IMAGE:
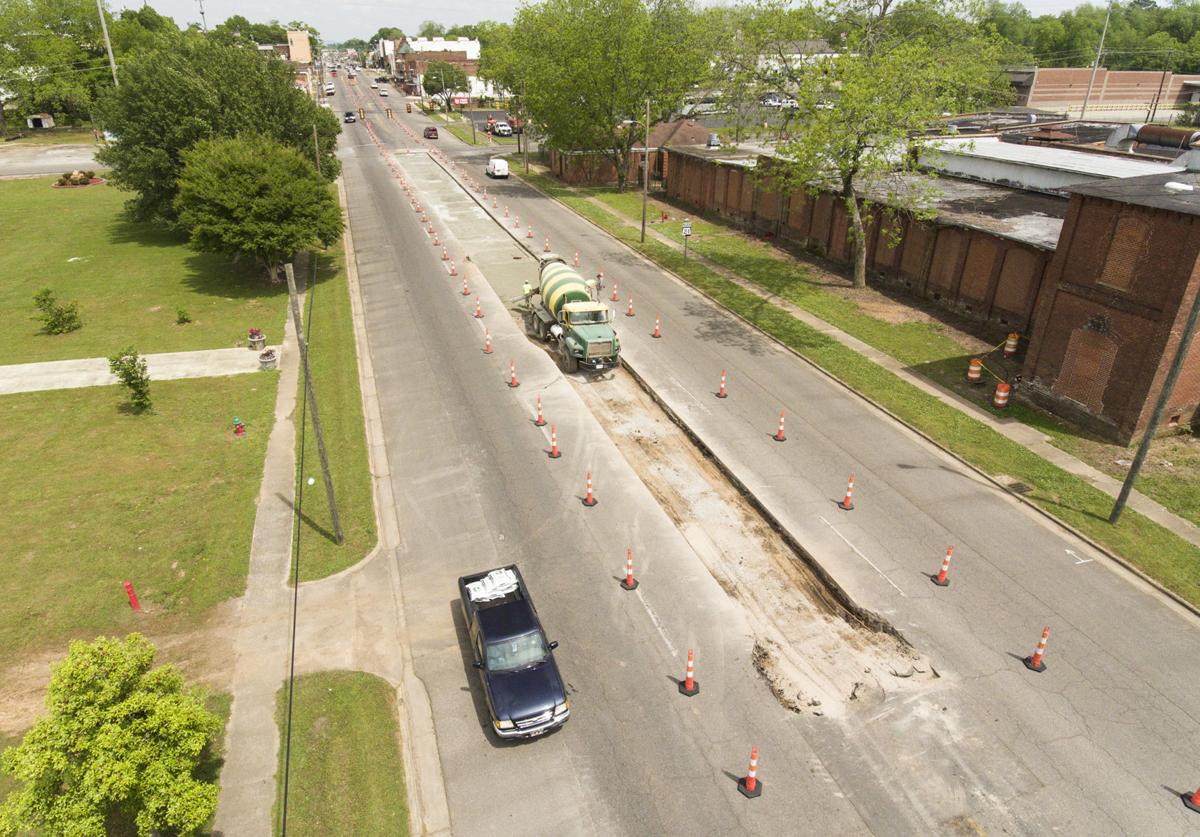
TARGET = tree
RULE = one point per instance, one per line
(897, 69)
(130, 370)
(198, 89)
(236, 29)
(430, 29)
(442, 80)
(588, 67)
(250, 195)
(385, 33)
(119, 748)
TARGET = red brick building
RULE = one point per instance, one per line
(594, 168)
(1114, 302)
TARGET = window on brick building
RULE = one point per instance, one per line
(1126, 249)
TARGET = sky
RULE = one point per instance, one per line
(337, 20)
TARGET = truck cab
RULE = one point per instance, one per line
(521, 685)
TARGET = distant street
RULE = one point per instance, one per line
(18, 160)
(1097, 744)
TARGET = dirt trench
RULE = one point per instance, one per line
(816, 656)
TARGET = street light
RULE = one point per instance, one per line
(645, 163)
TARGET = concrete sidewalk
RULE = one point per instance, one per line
(1023, 434)
(93, 371)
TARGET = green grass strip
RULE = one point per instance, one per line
(347, 774)
(1158, 552)
(334, 361)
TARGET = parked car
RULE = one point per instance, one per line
(430, 133)
(349, 116)
(521, 685)
(771, 100)
(502, 129)
(497, 167)
(383, 91)
(374, 85)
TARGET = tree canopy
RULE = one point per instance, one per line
(442, 80)
(253, 196)
(586, 69)
(169, 99)
(888, 75)
(385, 33)
(1141, 35)
(121, 746)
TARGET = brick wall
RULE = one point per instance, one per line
(979, 275)
(1058, 87)
(1109, 321)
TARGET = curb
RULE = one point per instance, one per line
(425, 786)
(1062, 524)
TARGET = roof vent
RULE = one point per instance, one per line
(1176, 187)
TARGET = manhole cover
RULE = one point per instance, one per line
(1019, 487)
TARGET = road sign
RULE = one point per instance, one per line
(687, 228)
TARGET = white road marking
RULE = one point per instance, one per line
(882, 574)
(1078, 560)
(658, 625)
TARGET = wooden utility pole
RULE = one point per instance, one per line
(311, 394)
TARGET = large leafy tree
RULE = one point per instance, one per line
(252, 196)
(52, 56)
(169, 99)
(896, 67)
(120, 747)
(442, 80)
(587, 69)
(385, 33)
(237, 29)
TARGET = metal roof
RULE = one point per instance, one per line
(1150, 190)
(1058, 159)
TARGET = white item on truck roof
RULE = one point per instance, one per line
(495, 585)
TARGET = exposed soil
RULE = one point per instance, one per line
(816, 657)
(203, 652)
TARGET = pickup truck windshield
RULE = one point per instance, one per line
(586, 317)
(519, 652)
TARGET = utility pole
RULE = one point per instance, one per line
(316, 150)
(203, 19)
(1185, 341)
(312, 404)
(1096, 63)
(645, 169)
(524, 128)
(112, 62)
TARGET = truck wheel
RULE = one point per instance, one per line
(567, 362)
(531, 329)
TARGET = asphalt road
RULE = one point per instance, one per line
(1100, 743)
(26, 160)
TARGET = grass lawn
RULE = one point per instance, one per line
(347, 775)
(94, 496)
(334, 364)
(129, 279)
(50, 136)
(1158, 552)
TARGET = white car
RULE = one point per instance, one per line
(502, 129)
(383, 91)
(374, 85)
(497, 167)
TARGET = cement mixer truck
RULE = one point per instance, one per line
(561, 310)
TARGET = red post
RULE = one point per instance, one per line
(847, 503)
(133, 599)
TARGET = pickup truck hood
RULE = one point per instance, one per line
(593, 332)
(519, 694)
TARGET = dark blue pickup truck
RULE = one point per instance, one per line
(521, 683)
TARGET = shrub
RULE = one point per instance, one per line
(90, 175)
(182, 317)
(62, 181)
(57, 319)
(130, 369)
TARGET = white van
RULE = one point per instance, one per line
(497, 167)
